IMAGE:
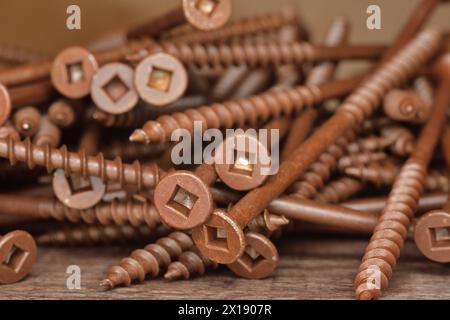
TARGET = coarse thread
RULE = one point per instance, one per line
(320, 171)
(360, 159)
(18, 55)
(238, 28)
(389, 235)
(364, 100)
(401, 140)
(251, 110)
(9, 131)
(108, 170)
(131, 119)
(147, 261)
(437, 181)
(378, 173)
(130, 151)
(267, 223)
(374, 124)
(370, 144)
(189, 263)
(135, 213)
(95, 235)
(48, 134)
(340, 190)
(424, 89)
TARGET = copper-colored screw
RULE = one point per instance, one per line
(20, 55)
(431, 234)
(408, 106)
(249, 110)
(160, 79)
(95, 235)
(424, 89)
(340, 190)
(247, 171)
(108, 170)
(355, 109)
(381, 174)
(259, 260)
(437, 181)
(62, 113)
(112, 88)
(401, 139)
(136, 213)
(48, 134)
(189, 263)
(129, 151)
(360, 159)
(27, 121)
(267, 223)
(183, 199)
(18, 254)
(370, 144)
(8, 130)
(148, 261)
(404, 195)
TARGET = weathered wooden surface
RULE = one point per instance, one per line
(318, 268)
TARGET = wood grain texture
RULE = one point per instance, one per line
(313, 268)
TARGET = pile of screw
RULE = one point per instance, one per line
(346, 165)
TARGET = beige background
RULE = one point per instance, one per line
(41, 24)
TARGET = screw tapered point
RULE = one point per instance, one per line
(173, 274)
(277, 221)
(106, 285)
(139, 136)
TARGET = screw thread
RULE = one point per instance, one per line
(401, 140)
(437, 181)
(18, 55)
(369, 144)
(80, 163)
(376, 173)
(147, 261)
(339, 190)
(360, 159)
(189, 263)
(267, 223)
(390, 233)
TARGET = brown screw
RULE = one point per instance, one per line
(339, 190)
(48, 134)
(18, 254)
(72, 72)
(250, 110)
(370, 144)
(259, 260)
(62, 113)
(109, 171)
(27, 121)
(160, 79)
(406, 106)
(148, 261)
(431, 235)
(8, 130)
(189, 263)
(401, 139)
(380, 174)
(112, 88)
(356, 108)
(267, 223)
(183, 199)
(5, 104)
(360, 159)
(250, 157)
(405, 194)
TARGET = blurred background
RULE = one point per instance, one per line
(42, 24)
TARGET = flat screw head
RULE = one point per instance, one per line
(183, 200)
(113, 89)
(432, 236)
(259, 260)
(5, 104)
(17, 256)
(220, 238)
(81, 196)
(238, 165)
(207, 14)
(160, 79)
(72, 72)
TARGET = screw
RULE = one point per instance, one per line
(18, 55)
(401, 139)
(8, 131)
(380, 174)
(248, 110)
(108, 170)
(189, 263)
(62, 113)
(267, 223)
(160, 79)
(370, 144)
(228, 82)
(48, 134)
(356, 108)
(148, 261)
(27, 121)
(136, 213)
(183, 199)
(259, 260)
(360, 159)
(424, 89)
(405, 193)
(431, 235)
(247, 168)
(5, 104)
(112, 88)
(437, 181)
(339, 190)
(130, 151)
(18, 254)
(408, 106)
(95, 235)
